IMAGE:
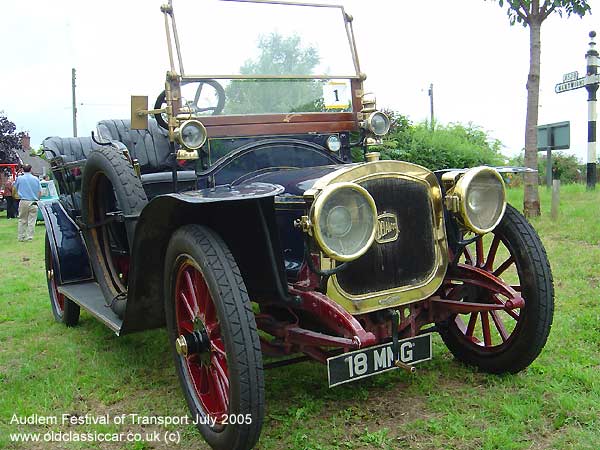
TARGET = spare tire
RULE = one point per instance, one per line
(112, 199)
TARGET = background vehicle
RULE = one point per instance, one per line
(49, 194)
(236, 208)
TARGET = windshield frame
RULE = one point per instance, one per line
(171, 30)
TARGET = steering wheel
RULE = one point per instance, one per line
(193, 104)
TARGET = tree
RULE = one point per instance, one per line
(447, 146)
(10, 141)
(279, 55)
(532, 13)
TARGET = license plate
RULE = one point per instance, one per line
(370, 361)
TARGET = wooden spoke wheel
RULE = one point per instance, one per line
(214, 338)
(504, 340)
(200, 342)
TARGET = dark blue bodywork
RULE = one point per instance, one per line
(71, 263)
(247, 186)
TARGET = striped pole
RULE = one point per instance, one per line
(592, 88)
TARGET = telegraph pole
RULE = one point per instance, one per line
(74, 103)
(431, 102)
(592, 71)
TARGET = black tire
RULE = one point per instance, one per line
(532, 326)
(64, 310)
(197, 250)
(110, 184)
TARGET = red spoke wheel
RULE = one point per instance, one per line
(214, 338)
(63, 309)
(504, 341)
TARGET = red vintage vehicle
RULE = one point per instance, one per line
(233, 214)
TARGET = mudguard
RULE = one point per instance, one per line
(243, 216)
(71, 261)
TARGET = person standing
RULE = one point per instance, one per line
(11, 212)
(29, 190)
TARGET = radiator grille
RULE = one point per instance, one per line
(407, 261)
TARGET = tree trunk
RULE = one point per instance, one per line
(531, 200)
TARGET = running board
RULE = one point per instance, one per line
(89, 296)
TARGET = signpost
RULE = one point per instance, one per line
(569, 85)
(591, 82)
(553, 136)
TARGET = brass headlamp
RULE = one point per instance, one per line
(477, 198)
(191, 135)
(342, 220)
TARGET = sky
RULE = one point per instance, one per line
(476, 61)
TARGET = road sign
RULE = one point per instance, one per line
(569, 85)
(571, 76)
(570, 82)
(553, 136)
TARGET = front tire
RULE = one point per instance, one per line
(208, 311)
(501, 341)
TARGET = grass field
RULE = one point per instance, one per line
(49, 370)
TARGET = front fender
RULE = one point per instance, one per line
(71, 261)
(242, 215)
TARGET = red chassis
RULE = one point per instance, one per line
(339, 330)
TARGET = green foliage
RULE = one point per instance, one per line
(279, 55)
(10, 140)
(282, 56)
(566, 168)
(520, 11)
(450, 146)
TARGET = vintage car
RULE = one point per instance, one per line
(49, 194)
(233, 213)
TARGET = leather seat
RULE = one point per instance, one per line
(70, 148)
(150, 147)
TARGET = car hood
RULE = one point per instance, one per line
(295, 181)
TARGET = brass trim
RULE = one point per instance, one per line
(196, 77)
(373, 301)
(372, 156)
(179, 138)
(367, 124)
(456, 198)
(303, 223)
(315, 214)
(139, 112)
(181, 346)
(385, 227)
(168, 11)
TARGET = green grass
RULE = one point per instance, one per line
(50, 370)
